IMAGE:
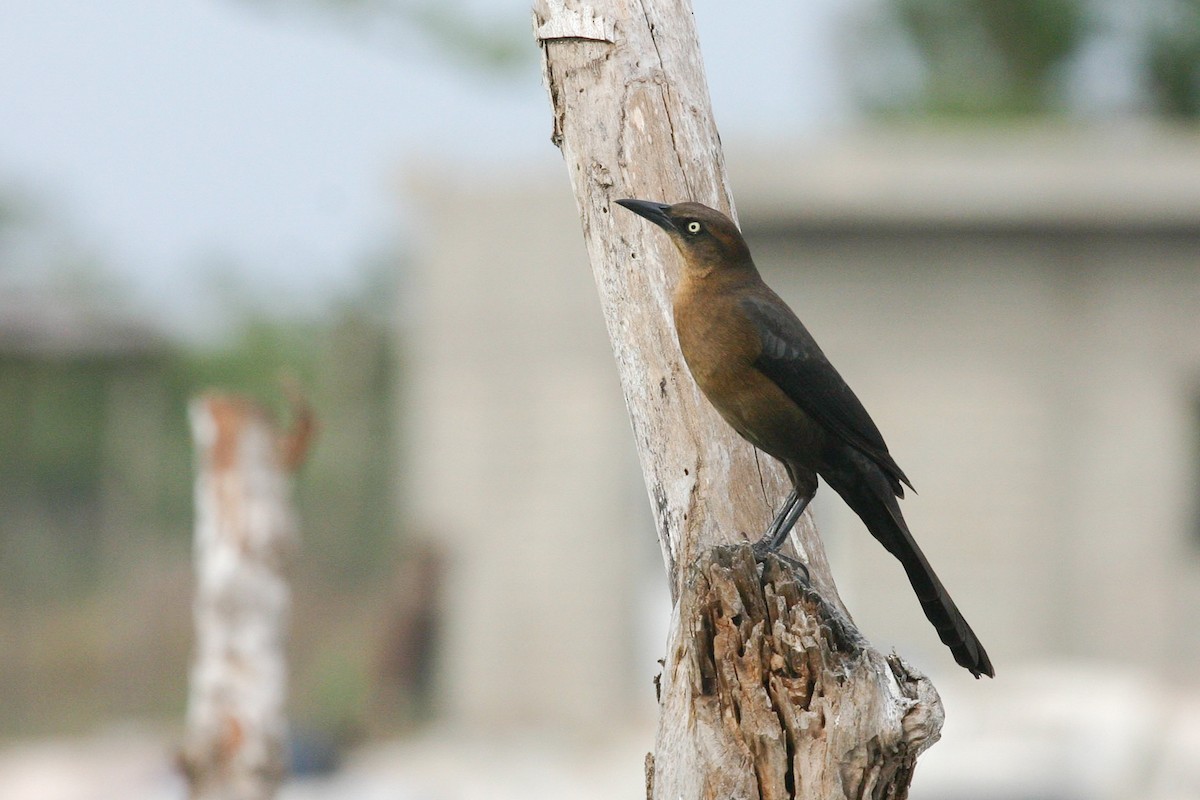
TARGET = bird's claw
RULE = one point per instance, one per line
(762, 549)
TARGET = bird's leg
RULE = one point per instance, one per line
(783, 523)
(776, 534)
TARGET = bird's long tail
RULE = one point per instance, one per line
(876, 505)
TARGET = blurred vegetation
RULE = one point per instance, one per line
(1173, 58)
(96, 496)
(1003, 59)
(992, 56)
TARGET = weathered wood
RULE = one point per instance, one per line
(632, 118)
(245, 529)
(767, 710)
(773, 694)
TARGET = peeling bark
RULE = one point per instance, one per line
(245, 530)
(767, 691)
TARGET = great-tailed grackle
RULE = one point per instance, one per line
(762, 370)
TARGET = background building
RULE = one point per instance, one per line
(1019, 309)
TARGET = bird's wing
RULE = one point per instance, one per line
(792, 359)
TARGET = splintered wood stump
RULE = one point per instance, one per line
(769, 692)
(245, 528)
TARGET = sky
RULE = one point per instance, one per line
(269, 140)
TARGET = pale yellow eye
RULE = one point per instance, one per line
(693, 227)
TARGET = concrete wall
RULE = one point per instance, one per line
(522, 465)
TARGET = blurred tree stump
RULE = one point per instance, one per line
(234, 746)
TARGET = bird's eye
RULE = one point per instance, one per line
(693, 227)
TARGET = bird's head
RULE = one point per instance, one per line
(705, 237)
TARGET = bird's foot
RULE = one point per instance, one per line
(764, 548)
(777, 533)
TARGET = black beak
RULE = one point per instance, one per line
(655, 212)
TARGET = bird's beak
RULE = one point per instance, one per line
(655, 212)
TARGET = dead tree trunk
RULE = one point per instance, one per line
(767, 691)
(245, 529)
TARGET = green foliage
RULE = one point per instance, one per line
(253, 360)
(1008, 58)
(992, 57)
(336, 685)
(1173, 59)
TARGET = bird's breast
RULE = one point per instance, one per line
(720, 347)
(716, 343)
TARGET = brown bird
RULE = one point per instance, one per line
(762, 370)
